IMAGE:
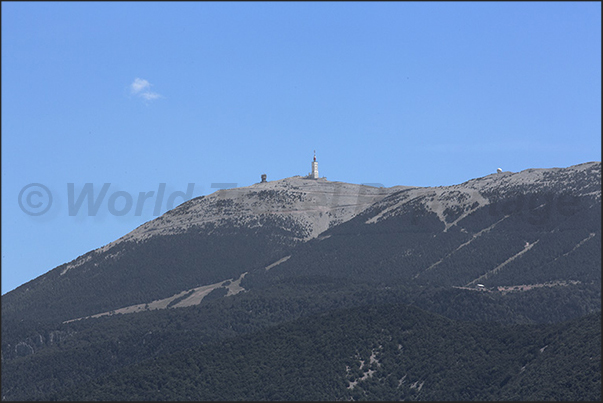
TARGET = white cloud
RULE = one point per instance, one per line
(142, 88)
(149, 96)
(139, 84)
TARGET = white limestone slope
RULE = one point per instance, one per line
(467, 197)
(436, 200)
(313, 204)
(539, 178)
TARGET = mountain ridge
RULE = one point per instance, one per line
(292, 184)
(240, 262)
(306, 209)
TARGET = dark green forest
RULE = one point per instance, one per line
(82, 351)
(379, 352)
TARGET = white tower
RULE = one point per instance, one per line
(314, 173)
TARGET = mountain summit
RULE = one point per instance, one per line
(305, 207)
(509, 247)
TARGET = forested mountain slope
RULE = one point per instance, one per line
(383, 352)
(508, 248)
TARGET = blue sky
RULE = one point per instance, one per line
(397, 93)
